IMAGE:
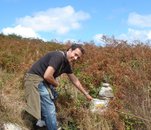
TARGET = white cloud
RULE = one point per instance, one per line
(139, 20)
(98, 39)
(59, 20)
(134, 34)
(22, 31)
(142, 31)
(149, 35)
(130, 36)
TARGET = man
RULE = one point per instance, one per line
(40, 83)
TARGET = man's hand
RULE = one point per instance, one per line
(89, 97)
(77, 83)
(48, 76)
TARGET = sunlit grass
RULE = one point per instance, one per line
(126, 67)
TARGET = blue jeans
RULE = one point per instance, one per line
(48, 110)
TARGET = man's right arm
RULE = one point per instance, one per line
(79, 86)
(48, 76)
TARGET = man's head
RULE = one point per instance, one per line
(75, 52)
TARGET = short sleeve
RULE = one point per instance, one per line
(55, 61)
(69, 69)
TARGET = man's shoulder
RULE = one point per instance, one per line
(58, 53)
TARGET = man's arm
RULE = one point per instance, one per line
(78, 85)
(48, 76)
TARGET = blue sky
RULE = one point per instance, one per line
(77, 20)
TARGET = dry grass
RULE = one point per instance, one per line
(126, 67)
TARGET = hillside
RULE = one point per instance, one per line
(126, 67)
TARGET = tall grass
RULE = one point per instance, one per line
(126, 67)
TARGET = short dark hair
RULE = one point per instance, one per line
(75, 46)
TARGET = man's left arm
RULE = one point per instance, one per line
(78, 85)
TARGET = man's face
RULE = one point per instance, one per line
(73, 55)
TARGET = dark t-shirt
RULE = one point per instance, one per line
(56, 59)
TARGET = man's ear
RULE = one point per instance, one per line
(70, 49)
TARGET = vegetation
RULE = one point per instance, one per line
(125, 66)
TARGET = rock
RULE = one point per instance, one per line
(98, 105)
(106, 91)
(10, 126)
(101, 103)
